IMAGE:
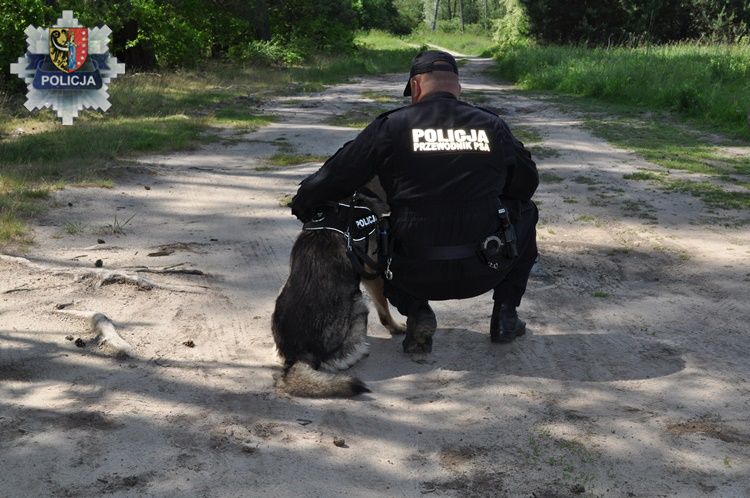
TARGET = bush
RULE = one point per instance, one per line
(176, 39)
(615, 22)
(410, 13)
(15, 17)
(383, 15)
(182, 33)
(266, 53)
(314, 25)
(512, 27)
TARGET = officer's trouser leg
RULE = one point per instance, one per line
(505, 324)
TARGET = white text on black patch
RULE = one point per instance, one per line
(433, 140)
(363, 222)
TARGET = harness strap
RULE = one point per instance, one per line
(353, 222)
(358, 262)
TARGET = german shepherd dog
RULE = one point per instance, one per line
(320, 320)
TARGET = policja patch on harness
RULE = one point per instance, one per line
(434, 140)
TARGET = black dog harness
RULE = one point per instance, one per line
(361, 229)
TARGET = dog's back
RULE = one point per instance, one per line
(313, 317)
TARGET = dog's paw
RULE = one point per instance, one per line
(396, 328)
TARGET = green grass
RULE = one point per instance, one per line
(159, 112)
(710, 83)
(476, 98)
(12, 228)
(547, 177)
(526, 135)
(240, 118)
(532, 139)
(358, 117)
(586, 180)
(542, 152)
(662, 142)
(288, 159)
(713, 195)
(586, 218)
(472, 42)
(384, 98)
(96, 141)
(73, 227)
(637, 99)
(644, 175)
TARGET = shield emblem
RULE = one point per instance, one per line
(68, 48)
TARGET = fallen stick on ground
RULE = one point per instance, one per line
(106, 334)
(167, 271)
(103, 277)
(101, 247)
(18, 289)
(111, 277)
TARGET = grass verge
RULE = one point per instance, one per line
(708, 83)
(472, 42)
(672, 146)
(721, 179)
(358, 117)
(711, 193)
(288, 159)
(630, 99)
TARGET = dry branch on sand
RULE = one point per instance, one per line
(102, 277)
(167, 270)
(107, 337)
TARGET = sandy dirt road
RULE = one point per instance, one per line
(632, 380)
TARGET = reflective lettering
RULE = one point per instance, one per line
(434, 140)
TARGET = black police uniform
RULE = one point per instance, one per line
(444, 165)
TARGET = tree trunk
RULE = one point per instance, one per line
(461, 13)
(263, 23)
(486, 17)
(435, 15)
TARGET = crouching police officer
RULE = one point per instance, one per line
(459, 186)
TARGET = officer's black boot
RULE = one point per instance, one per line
(505, 324)
(420, 327)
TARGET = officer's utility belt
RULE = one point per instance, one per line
(497, 250)
(365, 234)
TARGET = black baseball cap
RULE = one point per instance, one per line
(424, 62)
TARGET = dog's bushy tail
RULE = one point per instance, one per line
(301, 379)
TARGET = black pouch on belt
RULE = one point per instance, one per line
(499, 249)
